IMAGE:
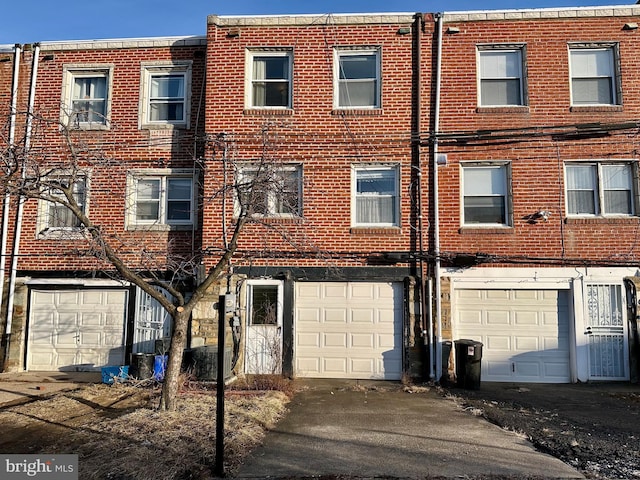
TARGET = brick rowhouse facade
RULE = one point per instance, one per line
(507, 195)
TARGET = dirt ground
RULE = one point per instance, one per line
(593, 427)
(119, 434)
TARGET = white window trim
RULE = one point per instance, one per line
(248, 85)
(162, 173)
(71, 71)
(615, 72)
(635, 191)
(518, 48)
(355, 168)
(244, 169)
(345, 51)
(506, 165)
(147, 70)
(44, 231)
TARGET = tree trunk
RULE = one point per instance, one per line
(171, 383)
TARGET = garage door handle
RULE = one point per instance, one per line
(588, 332)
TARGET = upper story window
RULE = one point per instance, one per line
(375, 196)
(268, 79)
(501, 75)
(594, 74)
(166, 95)
(599, 188)
(357, 78)
(86, 97)
(161, 197)
(55, 219)
(486, 199)
(270, 191)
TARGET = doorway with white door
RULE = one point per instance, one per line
(263, 346)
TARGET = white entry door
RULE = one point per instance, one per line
(263, 348)
(606, 329)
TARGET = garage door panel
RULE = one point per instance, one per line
(467, 318)
(369, 324)
(525, 335)
(76, 329)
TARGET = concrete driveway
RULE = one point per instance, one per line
(378, 430)
(21, 387)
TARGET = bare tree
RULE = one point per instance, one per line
(54, 174)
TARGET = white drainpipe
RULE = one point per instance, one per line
(21, 200)
(437, 338)
(7, 196)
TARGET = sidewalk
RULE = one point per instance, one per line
(341, 428)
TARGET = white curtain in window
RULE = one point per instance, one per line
(581, 189)
(259, 87)
(376, 197)
(616, 183)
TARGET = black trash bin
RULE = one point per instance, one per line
(141, 366)
(468, 363)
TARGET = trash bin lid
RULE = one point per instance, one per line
(468, 342)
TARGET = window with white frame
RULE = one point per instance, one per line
(594, 78)
(375, 196)
(486, 194)
(599, 188)
(86, 97)
(357, 78)
(268, 78)
(161, 197)
(54, 215)
(501, 75)
(270, 191)
(166, 93)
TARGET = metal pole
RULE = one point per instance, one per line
(219, 466)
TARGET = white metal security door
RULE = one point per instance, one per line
(606, 329)
(152, 322)
(263, 349)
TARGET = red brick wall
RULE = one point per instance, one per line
(325, 142)
(536, 159)
(124, 146)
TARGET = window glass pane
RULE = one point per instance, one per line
(272, 94)
(581, 202)
(271, 68)
(581, 177)
(167, 86)
(89, 99)
(358, 66)
(591, 63)
(146, 211)
(179, 188)
(617, 202)
(148, 189)
(500, 92)
(500, 64)
(485, 181)
(616, 177)
(375, 209)
(264, 305)
(166, 112)
(581, 189)
(376, 182)
(358, 94)
(592, 90)
(287, 193)
(617, 186)
(484, 210)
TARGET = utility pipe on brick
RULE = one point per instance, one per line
(17, 50)
(437, 337)
(21, 199)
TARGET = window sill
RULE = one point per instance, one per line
(90, 127)
(277, 220)
(63, 234)
(486, 230)
(164, 126)
(356, 111)
(376, 230)
(602, 220)
(514, 109)
(596, 109)
(268, 111)
(159, 227)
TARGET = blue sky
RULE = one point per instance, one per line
(42, 20)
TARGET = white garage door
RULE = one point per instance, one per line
(76, 330)
(348, 330)
(525, 333)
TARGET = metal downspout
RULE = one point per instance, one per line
(7, 196)
(417, 164)
(21, 200)
(437, 337)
